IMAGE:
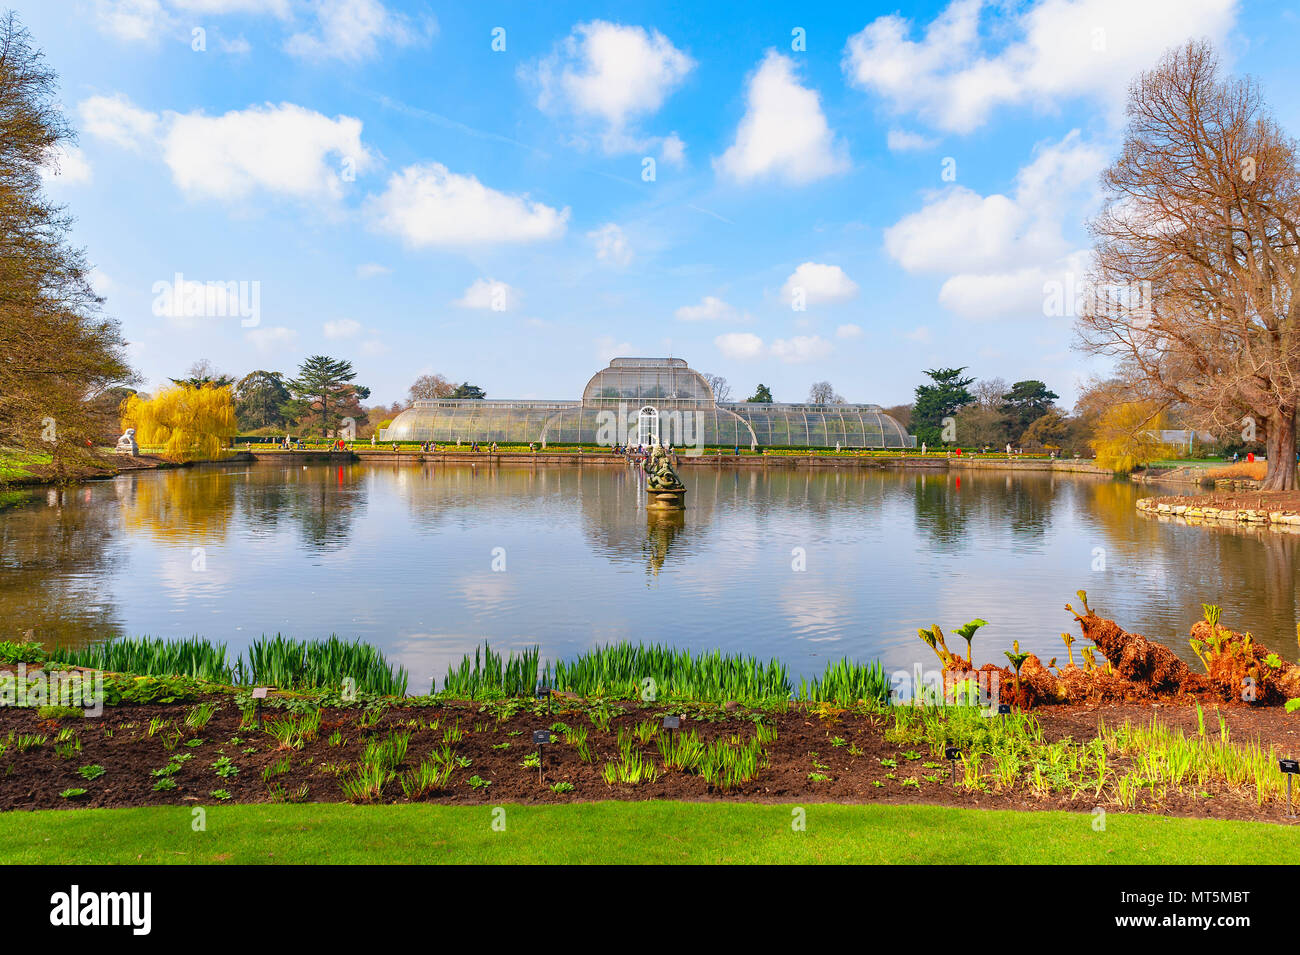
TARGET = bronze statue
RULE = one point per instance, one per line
(659, 473)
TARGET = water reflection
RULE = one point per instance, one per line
(57, 565)
(804, 565)
(661, 530)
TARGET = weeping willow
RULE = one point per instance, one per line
(188, 423)
(1127, 436)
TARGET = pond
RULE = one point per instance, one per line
(426, 562)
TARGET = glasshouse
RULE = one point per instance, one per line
(644, 401)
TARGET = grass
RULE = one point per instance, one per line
(629, 671)
(272, 661)
(21, 465)
(152, 656)
(846, 682)
(1010, 753)
(621, 832)
(293, 664)
(1251, 470)
(491, 675)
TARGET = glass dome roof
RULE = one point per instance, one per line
(644, 379)
(619, 401)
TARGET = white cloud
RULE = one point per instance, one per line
(607, 348)
(739, 345)
(146, 21)
(711, 309)
(276, 8)
(1051, 50)
(921, 335)
(272, 339)
(239, 46)
(373, 348)
(902, 140)
(611, 244)
(119, 121)
(998, 250)
(351, 31)
(100, 282)
(283, 149)
(427, 205)
(848, 331)
(783, 134)
(801, 349)
(66, 164)
(818, 284)
(489, 295)
(369, 270)
(612, 75)
(672, 150)
(191, 303)
(342, 328)
(131, 20)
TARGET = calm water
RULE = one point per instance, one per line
(404, 557)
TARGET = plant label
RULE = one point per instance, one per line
(1289, 765)
(541, 737)
(672, 722)
(951, 753)
(259, 692)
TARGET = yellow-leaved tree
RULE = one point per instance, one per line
(188, 423)
(1127, 436)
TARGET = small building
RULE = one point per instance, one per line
(644, 401)
(1182, 438)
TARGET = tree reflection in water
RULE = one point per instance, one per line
(396, 554)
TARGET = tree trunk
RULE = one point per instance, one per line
(1281, 475)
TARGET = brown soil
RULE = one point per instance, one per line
(35, 778)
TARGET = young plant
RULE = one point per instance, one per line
(1017, 661)
(933, 638)
(967, 632)
(1068, 640)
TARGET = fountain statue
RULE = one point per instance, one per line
(126, 444)
(664, 489)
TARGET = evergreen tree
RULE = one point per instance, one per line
(323, 390)
(1025, 403)
(260, 398)
(467, 390)
(944, 398)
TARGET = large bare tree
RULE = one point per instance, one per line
(1198, 251)
(427, 387)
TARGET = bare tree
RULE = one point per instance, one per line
(989, 391)
(427, 387)
(823, 393)
(1198, 251)
(721, 388)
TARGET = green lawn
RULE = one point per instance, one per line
(17, 465)
(643, 832)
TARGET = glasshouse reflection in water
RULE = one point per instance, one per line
(798, 564)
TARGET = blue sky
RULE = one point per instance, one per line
(398, 192)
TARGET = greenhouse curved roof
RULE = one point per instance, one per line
(662, 399)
